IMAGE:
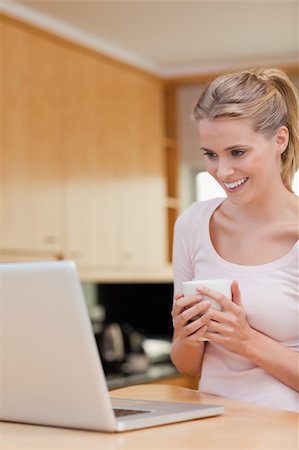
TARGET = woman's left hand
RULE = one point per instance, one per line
(229, 326)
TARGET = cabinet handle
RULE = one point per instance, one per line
(74, 254)
(128, 256)
(49, 239)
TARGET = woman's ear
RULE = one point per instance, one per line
(282, 139)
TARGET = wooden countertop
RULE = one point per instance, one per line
(241, 427)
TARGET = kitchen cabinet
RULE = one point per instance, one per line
(172, 162)
(30, 151)
(82, 168)
(114, 170)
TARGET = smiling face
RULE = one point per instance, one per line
(245, 163)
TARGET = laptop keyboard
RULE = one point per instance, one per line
(127, 412)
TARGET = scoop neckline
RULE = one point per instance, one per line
(277, 263)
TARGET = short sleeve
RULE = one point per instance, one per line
(182, 264)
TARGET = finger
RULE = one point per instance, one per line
(194, 311)
(236, 293)
(220, 298)
(188, 301)
(220, 328)
(176, 309)
(187, 326)
(196, 325)
(218, 338)
(180, 305)
(199, 335)
(178, 295)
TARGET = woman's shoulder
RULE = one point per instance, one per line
(198, 209)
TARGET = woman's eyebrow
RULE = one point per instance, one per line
(227, 149)
(206, 149)
(236, 147)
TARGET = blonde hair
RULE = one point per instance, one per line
(264, 95)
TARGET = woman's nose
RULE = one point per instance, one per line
(224, 170)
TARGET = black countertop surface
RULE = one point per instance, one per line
(155, 372)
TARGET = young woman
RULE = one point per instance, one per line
(248, 129)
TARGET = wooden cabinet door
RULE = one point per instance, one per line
(114, 169)
(31, 98)
(142, 208)
(91, 212)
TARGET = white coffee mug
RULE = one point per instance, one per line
(221, 285)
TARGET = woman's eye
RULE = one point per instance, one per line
(210, 155)
(237, 153)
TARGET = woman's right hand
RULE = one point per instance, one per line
(190, 316)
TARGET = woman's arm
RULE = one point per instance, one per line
(278, 360)
(187, 345)
(188, 360)
(230, 328)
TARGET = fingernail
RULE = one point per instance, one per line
(199, 288)
(206, 303)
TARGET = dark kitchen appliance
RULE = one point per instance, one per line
(145, 306)
(137, 331)
(121, 349)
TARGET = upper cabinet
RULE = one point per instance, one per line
(31, 160)
(82, 162)
(114, 166)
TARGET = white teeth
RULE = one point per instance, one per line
(235, 183)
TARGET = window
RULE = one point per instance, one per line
(207, 187)
(295, 184)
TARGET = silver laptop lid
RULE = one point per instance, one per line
(50, 368)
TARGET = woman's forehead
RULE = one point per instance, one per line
(225, 126)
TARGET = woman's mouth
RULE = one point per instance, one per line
(234, 185)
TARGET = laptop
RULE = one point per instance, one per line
(51, 372)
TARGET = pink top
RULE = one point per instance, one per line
(270, 298)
